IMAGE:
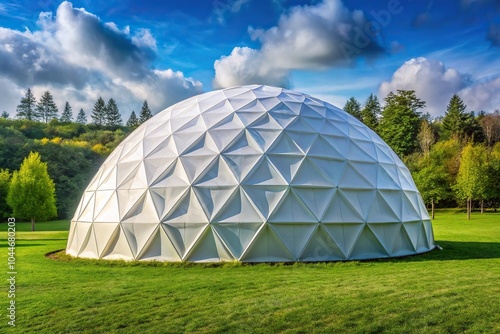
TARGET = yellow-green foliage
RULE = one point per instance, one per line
(32, 192)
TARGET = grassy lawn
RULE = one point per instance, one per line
(456, 290)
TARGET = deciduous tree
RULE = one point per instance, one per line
(5, 210)
(470, 183)
(32, 192)
(426, 137)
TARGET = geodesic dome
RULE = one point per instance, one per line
(254, 174)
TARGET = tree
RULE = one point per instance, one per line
(32, 192)
(99, 112)
(454, 119)
(353, 107)
(67, 115)
(426, 137)
(493, 177)
(81, 118)
(27, 108)
(5, 114)
(112, 114)
(470, 183)
(491, 127)
(46, 108)
(459, 124)
(132, 121)
(145, 113)
(371, 112)
(5, 210)
(400, 121)
(432, 181)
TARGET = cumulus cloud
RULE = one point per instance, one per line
(308, 37)
(436, 84)
(78, 58)
(482, 95)
(433, 82)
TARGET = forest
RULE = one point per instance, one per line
(454, 159)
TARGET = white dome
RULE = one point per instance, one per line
(254, 174)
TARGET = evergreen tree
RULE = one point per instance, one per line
(67, 115)
(353, 107)
(99, 112)
(46, 108)
(27, 108)
(112, 115)
(32, 191)
(371, 112)
(81, 118)
(473, 130)
(145, 113)
(5, 114)
(455, 119)
(400, 121)
(132, 121)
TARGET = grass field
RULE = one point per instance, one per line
(456, 290)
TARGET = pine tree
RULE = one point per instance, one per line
(5, 114)
(371, 112)
(32, 191)
(46, 108)
(99, 112)
(81, 118)
(27, 108)
(145, 113)
(400, 121)
(67, 115)
(455, 119)
(132, 121)
(112, 115)
(353, 107)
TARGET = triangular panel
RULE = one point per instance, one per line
(267, 247)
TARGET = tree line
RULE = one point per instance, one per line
(103, 113)
(454, 159)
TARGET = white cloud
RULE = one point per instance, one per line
(436, 84)
(482, 95)
(78, 58)
(308, 37)
(432, 81)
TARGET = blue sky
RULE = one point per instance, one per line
(165, 51)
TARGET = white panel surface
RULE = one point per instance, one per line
(252, 173)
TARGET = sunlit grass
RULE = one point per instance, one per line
(455, 290)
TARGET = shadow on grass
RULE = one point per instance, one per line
(459, 250)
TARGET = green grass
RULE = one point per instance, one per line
(456, 290)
